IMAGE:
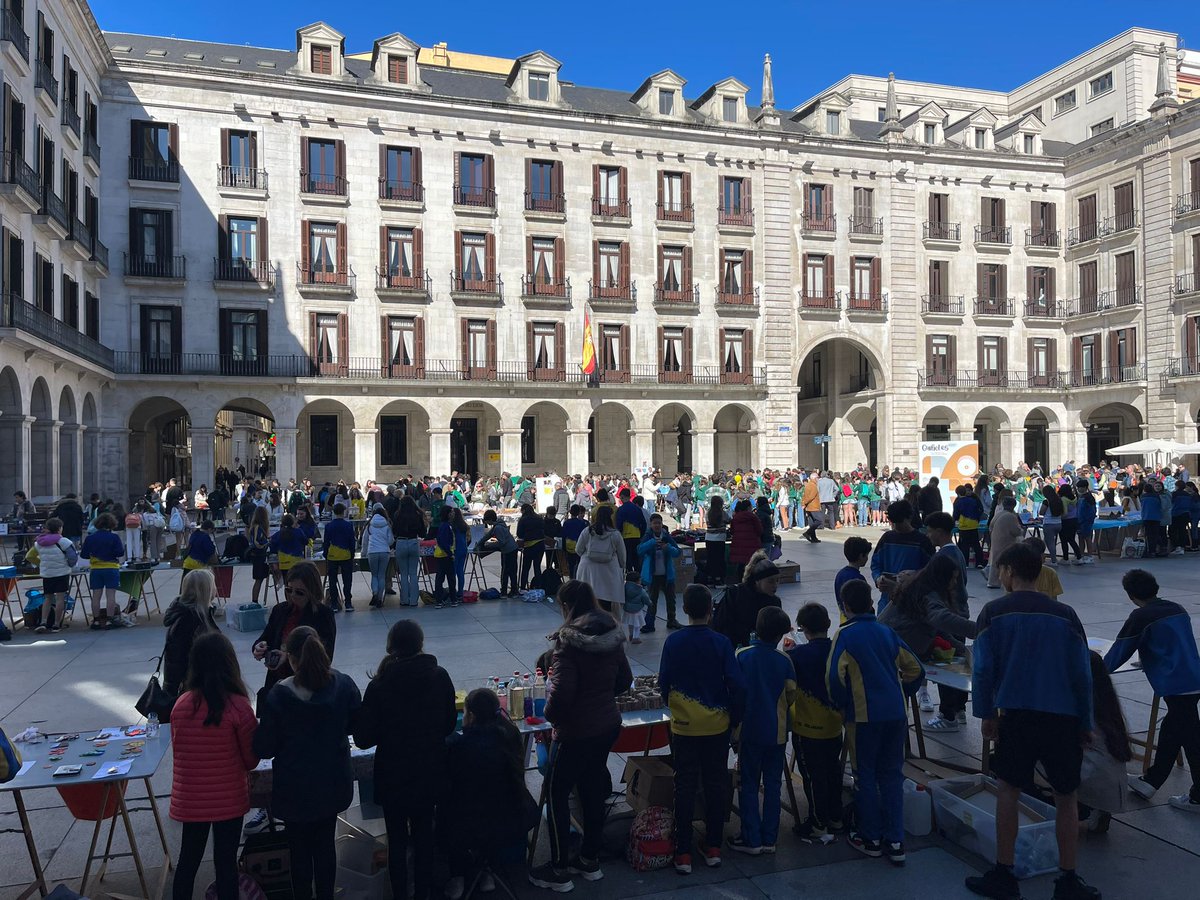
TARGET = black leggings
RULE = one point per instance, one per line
(1066, 537)
(968, 542)
(532, 558)
(581, 764)
(410, 823)
(226, 836)
(311, 845)
(1180, 731)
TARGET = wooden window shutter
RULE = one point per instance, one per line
(176, 331)
(687, 352)
(660, 190)
(852, 279)
(720, 269)
(305, 245)
(383, 172)
(980, 280)
(225, 332)
(979, 359)
(1051, 217)
(829, 275)
(224, 146)
(260, 333)
(687, 189)
(933, 210)
(1052, 355)
(624, 264)
(1000, 213)
(1002, 354)
(457, 172)
(528, 175)
(1112, 354)
(223, 237)
(254, 149)
(1003, 280)
(952, 348)
(489, 172)
(1131, 343)
(556, 178)
(595, 265)
(173, 141)
(748, 273)
(135, 246)
(304, 159)
(340, 159)
(929, 353)
(419, 345)
(1029, 356)
(383, 251)
(343, 266)
(721, 354)
(385, 346)
(560, 349)
(144, 322)
(624, 361)
(746, 204)
(661, 348)
(418, 253)
(985, 210)
(595, 182)
(1051, 292)
(465, 346)
(416, 165)
(489, 249)
(458, 269)
(659, 270)
(876, 278)
(530, 351)
(748, 356)
(1190, 326)
(343, 331)
(1029, 292)
(622, 184)
(312, 336)
(491, 348)
(560, 263)
(687, 269)
(1077, 354)
(827, 202)
(529, 256)
(808, 210)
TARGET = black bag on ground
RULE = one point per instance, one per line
(549, 581)
(266, 859)
(236, 547)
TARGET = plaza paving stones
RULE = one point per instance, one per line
(79, 680)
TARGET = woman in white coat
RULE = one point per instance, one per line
(602, 560)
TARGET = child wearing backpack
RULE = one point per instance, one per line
(133, 532)
(55, 556)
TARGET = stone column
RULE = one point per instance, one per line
(24, 437)
(285, 453)
(203, 442)
(510, 450)
(577, 452)
(112, 465)
(365, 465)
(439, 451)
(1012, 446)
(74, 439)
(641, 447)
(704, 451)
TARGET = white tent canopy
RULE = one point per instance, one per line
(1153, 445)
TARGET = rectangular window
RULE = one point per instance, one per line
(939, 281)
(150, 149)
(539, 86)
(864, 211)
(814, 275)
(940, 353)
(610, 264)
(729, 109)
(1088, 286)
(731, 195)
(608, 188)
(818, 208)
(732, 361)
(243, 332)
(1126, 270)
(477, 343)
(1089, 356)
(92, 316)
(471, 177)
(400, 174)
(862, 286)
(545, 349)
(672, 270)
(326, 341)
(322, 174)
(1123, 207)
(243, 239)
(611, 348)
(1101, 85)
(528, 440)
(1030, 142)
(1101, 127)
(399, 254)
(158, 345)
(733, 278)
(323, 251)
(43, 284)
(240, 150)
(70, 301)
(1087, 218)
(402, 341)
(930, 133)
(474, 260)
(321, 59)
(1064, 103)
(981, 138)
(992, 280)
(939, 211)
(397, 69)
(151, 241)
(881, 114)
(833, 122)
(672, 192)
(323, 441)
(542, 187)
(393, 440)
(1039, 357)
(1040, 292)
(666, 102)
(989, 362)
(543, 264)
(672, 350)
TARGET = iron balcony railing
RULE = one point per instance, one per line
(820, 222)
(811, 390)
(91, 147)
(819, 301)
(1042, 237)
(941, 231)
(735, 215)
(386, 280)
(1081, 234)
(1182, 367)
(242, 177)
(545, 201)
(855, 303)
(993, 234)
(54, 207)
(1186, 283)
(534, 287)
(146, 169)
(70, 118)
(1107, 375)
(474, 195)
(43, 77)
(1120, 222)
(617, 291)
(610, 209)
(314, 277)
(673, 211)
(1046, 309)
(16, 313)
(946, 304)
(731, 298)
(81, 234)
(1105, 300)
(14, 170)
(100, 254)
(139, 266)
(397, 189)
(252, 271)
(993, 306)
(856, 384)
(12, 31)
(322, 183)
(995, 379)
(1187, 203)
(866, 225)
(492, 285)
(681, 294)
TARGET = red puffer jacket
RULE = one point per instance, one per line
(745, 536)
(211, 761)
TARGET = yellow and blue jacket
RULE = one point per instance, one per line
(813, 713)
(870, 670)
(770, 693)
(701, 682)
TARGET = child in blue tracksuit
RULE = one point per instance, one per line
(869, 671)
(1086, 513)
(898, 550)
(338, 543)
(443, 555)
(766, 726)
(1160, 632)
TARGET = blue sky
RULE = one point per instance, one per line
(618, 43)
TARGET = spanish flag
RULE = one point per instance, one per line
(589, 349)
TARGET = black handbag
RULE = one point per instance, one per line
(155, 698)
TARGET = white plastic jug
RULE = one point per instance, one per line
(918, 809)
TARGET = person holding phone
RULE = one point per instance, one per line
(302, 588)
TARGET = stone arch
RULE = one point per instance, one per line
(1037, 443)
(610, 449)
(544, 438)
(672, 444)
(989, 423)
(735, 437)
(860, 436)
(1111, 425)
(477, 441)
(68, 443)
(874, 354)
(841, 372)
(14, 454)
(401, 441)
(324, 442)
(242, 429)
(159, 443)
(43, 473)
(939, 424)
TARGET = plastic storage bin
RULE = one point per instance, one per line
(248, 617)
(965, 812)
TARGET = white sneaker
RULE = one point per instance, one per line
(937, 723)
(455, 888)
(1088, 561)
(961, 718)
(1141, 787)
(256, 822)
(924, 700)
(1178, 551)
(1186, 803)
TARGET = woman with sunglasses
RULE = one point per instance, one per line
(304, 606)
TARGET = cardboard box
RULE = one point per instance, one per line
(649, 781)
(788, 570)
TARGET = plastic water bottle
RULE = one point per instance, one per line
(918, 809)
(527, 685)
(152, 725)
(516, 697)
(502, 695)
(539, 694)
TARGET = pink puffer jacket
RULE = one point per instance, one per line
(211, 761)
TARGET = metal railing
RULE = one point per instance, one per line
(972, 379)
(473, 195)
(819, 301)
(673, 211)
(70, 117)
(678, 295)
(857, 383)
(876, 304)
(91, 147)
(43, 77)
(81, 234)
(142, 169)
(992, 234)
(615, 291)
(242, 177)
(545, 201)
(396, 189)
(100, 254)
(1186, 283)
(319, 278)
(323, 184)
(1120, 222)
(14, 170)
(1041, 238)
(54, 207)
(1046, 309)
(866, 225)
(735, 215)
(946, 304)
(1105, 300)
(138, 266)
(819, 222)
(252, 271)
(12, 31)
(411, 284)
(532, 287)
(727, 298)
(1107, 375)
(993, 306)
(1081, 234)
(1182, 367)
(1186, 203)
(941, 231)
(609, 209)
(16, 313)
(489, 285)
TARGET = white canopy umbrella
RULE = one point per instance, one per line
(1152, 445)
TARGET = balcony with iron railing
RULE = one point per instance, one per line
(857, 383)
(99, 257)
(70, 118)
(82, 236)
(608, 208)
(15, 171)
(678, 295)
(1041, 239)
(397, 190)
(16, 313)
(241, 178)
(163, 171)
(738, 216)
(744, 298)
(994, 379)
(322, 184)
(1081, 234)
(327, 281)
(866, 226)
(1103, 301)
(173, 268)
(1186, 283)
(820, 302)
(53, 211)
(819, 223)
(259, 273)
(1107, 375)
(534, 287)
(1187, 203)
(942, 304)
(388, 283)
(675, 211)
(91, 147)
(603, 291)
(866, 303)
(545, 202)
(44, 80)
(994, 306)
(1124, 221)
(997, 235)
(473, 196)
(950, 232)
(1182, 367)
(1046, 309)
(489, 286)
(12, 32)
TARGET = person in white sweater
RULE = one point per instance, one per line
(55, 556)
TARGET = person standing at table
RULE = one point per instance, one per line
(337, 545)
(1160, 632)
(55, 557)
(408, 528)
(900, 549)
(714, 537)
(602, 560)
(1004, 530)
(303, 727)
(1031, 685)
(377, 543)
(302, 590)
(22, 510)
(531, 534)
(70, 513)
(105, 550)
(588, 671)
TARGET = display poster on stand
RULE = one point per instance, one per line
(951, 462)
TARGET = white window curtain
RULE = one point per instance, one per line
(814, 278)
(543, 261)
(400, 251)
(610, 265)
(672, 268)
(324, 248)
(402, 348)
(612, 349)
(478, 346)
(327, 342)
(733, 352)
(732, 278)
(673, 350)
(862, 278)
(610, 180)
(472, 257)
(673, 192)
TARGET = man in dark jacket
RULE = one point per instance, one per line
(72, 517)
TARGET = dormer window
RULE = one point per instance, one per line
(397, 69)
(833, 122)
(321, 59)
(930, 133)
(539, 86)
(1030, 144)
(666, 102)
(980, 138)
(729, 109)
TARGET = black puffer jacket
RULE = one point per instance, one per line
(589, 670)
(183, 624)
(486, 804)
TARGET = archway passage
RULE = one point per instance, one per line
(988, 422)
(403, 441)
(860, 439)
(474, 439)
(609, 447)
(42, 474)
(838, 377)
(939, 423)
(324, 442)
(91, 445)
(674, 425)
(734, 439)
(1112, 425)
(159, 444)
(544, 439)
(242, 438)
(13, 453)
(68, 444)
(1037, 441)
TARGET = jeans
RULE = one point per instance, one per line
(406, 821)
(344, 568)
(533, 559)
(659, 584)
(226, 837)
(1180, 731)
(878, 762)
(1050, 538)
(378, 563)
(1154, 537)
(312, 857)
(829, 513)
(631, 554)
(700, 761)
(819, 763)
(152, 542)
(797, 513)
(408, 563)
(864, 512)
(1179, 530)
(714, 554)
(952, 701)
(581, 764)
(760, 764)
